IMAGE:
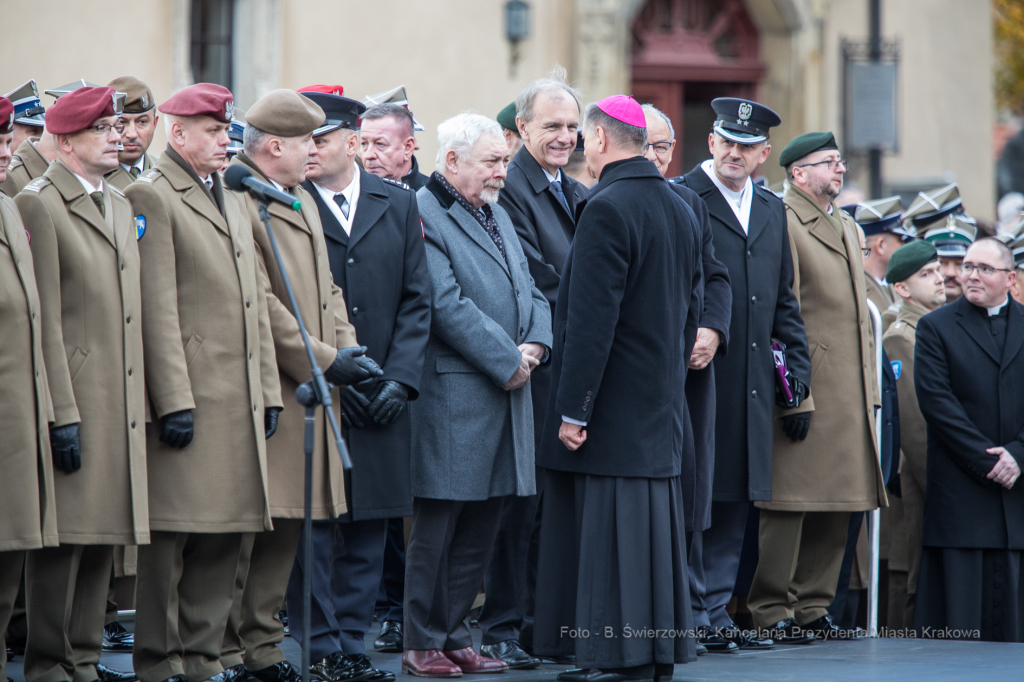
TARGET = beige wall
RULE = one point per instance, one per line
(452, 56)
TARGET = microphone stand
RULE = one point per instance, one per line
(309, 395)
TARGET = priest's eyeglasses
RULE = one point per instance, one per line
(983, 270)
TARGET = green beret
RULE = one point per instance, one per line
(507, 118)
(907, 260)
(808, 143)
(285, 113)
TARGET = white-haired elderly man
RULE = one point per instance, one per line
(472, 428)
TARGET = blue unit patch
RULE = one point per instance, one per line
(140, 226)
(897, 368)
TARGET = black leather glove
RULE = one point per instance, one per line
(178, 429)
(389, 402)
(66, 447)
(355, 408)
(351, 366)
(270, 415)
(799, 394)
(796, 425)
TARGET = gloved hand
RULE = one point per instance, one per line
(270, 416)
(178, 429)
(795, 425)
(66, 448)
(355, 408)
(798, 389)
(389, 402)
(351, 366)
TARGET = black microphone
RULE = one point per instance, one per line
(241, 179)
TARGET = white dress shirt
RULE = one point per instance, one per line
(140, 165)
(739, 202)
(351, 194)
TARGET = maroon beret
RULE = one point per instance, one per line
(79, 109)
(6, 116)
(201, 99)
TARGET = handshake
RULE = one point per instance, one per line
(532, 354)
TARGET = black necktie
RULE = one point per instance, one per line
(557, 186)
(342, 203)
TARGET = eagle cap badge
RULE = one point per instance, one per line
(745, 111)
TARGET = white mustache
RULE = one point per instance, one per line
(494, 184)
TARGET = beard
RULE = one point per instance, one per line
(491, 189)
(823, 189)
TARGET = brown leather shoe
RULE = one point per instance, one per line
(429, 663)
(472, 662)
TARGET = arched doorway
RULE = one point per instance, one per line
(685, 54)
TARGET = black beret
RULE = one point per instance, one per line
(907, 260)
(808, 143)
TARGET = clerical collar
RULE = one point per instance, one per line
(992, 312)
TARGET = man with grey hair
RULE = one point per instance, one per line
(472, 428)
(541, 200)
(612, 549)
(388, 140)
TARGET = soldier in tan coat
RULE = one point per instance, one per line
(139, 118)
(28, 515)
(88, 274)
(277, 145)
(917, 279)
(30, 161)
(212, 382)
(826, 462)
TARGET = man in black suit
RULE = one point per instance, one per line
(968, 373)
(751, 238)
(612, 546)
(541, 201)
(377, 257)
(715, 295)
(388, 139)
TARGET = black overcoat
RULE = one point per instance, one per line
(414, 178)
(625, 323)
(545, 228)
(715, 295)
(382, 271)
(971, 399)
(763, 306)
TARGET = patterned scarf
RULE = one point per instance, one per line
(485, 216)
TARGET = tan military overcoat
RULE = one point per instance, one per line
(26, 165)
(87, 271)
(300, 239)
(836, 468)
(28, 512)
(899, 344)
(208, 349)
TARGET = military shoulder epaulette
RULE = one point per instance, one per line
(116, 192)
(37, 184)
(15, 162)
(766, 190)
(396, 183)
(149, 176)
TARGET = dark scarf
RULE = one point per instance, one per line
(486, 219)
(216, 195)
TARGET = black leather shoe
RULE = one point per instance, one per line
(357, 668)
(15, 647)
(746, 639)
(786, 631)
(283, 617)
(510, 652)
(701, 649)
(578, 675)
(279, 672)
(10, 654)
(715, 643)
(390, 639)
(176, 678)
(474, 617)
(116, 638)
(824, 628)
(238, 673)
(105, 674)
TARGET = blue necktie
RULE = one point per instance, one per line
(342, 203)
(557, 186)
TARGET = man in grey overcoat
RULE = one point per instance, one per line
(472, 428)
